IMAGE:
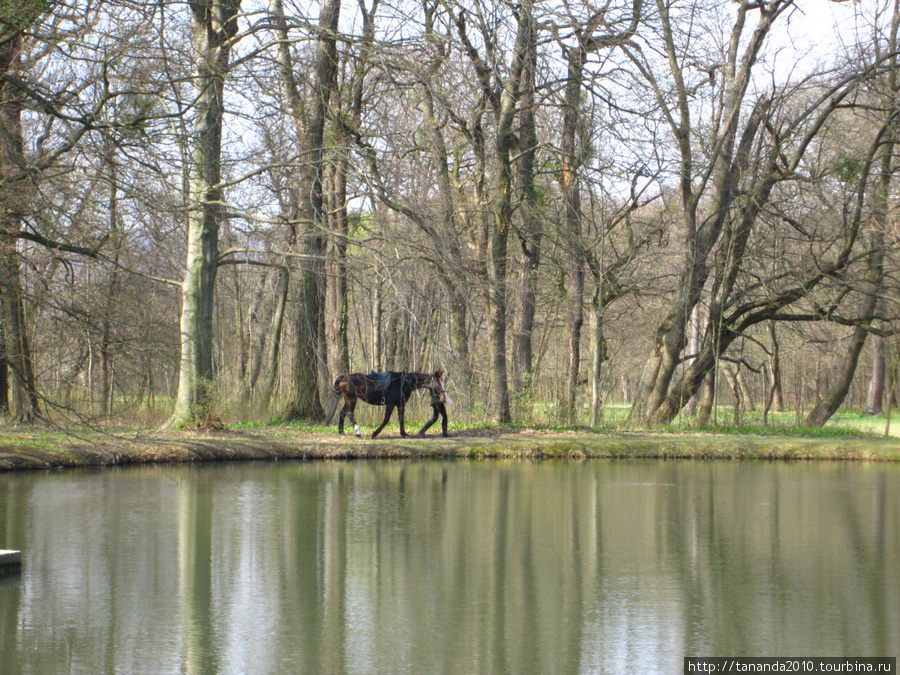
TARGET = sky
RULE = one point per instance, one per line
(818, 28)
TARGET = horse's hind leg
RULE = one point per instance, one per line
(353, 420)
(341, 417)
(388, 409)
(401, 413)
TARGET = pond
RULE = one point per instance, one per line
(463, 567)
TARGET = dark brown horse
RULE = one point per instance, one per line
(392, 390)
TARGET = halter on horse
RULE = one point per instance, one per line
(392, 390)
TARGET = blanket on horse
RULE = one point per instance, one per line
(382, 380)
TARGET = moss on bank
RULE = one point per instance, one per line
(30, 450)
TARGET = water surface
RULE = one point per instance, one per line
(456, 567)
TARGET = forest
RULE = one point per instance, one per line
(212, 209)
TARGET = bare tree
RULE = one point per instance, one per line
(16, 190)
(597, 33)
(530, 232)
(308, 119)
(213, 29)
(503, 97)
(871, 288)
(754, 147)
(717, 178)
(65, 109)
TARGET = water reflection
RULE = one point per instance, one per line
(439, 567)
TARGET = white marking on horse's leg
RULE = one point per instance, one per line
(357, 430)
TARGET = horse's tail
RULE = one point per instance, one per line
(335, 397)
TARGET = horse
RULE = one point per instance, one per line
(392, 390)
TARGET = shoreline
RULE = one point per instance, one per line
(22, 451)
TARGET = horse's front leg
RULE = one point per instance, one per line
(388, 409)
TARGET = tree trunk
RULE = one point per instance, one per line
(503, 217)
(572, 231)
(337, 213)
(748, 401)
(875, 395)
(497, 316)
(731, 376)
(4, 382)
(892, 381)
(777, 395)
(340, 230)
(15, 195)
(261, 311)
(213, 25)
(768, 391)
(574, 325)
(274, 351)
(23, 398)
(599, 346)
(530, 234)
(834, 396)
(377, 342)
(706, 399)
(112, 291)
(304, 402)
(693, 347)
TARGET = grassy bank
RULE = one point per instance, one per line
(48, 448)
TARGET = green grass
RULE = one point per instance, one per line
(781, 425)
(845, 423)
(17, 440)
(790, 432)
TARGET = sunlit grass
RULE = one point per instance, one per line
(846, 423)
(19, 440)
(475, 419)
